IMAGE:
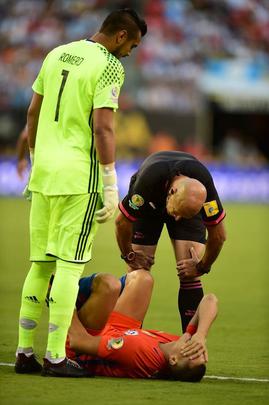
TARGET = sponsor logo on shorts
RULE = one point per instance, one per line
(139, 235)
(115, 343)
(211, 208)
(131, 332)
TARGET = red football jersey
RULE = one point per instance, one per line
(126, 350)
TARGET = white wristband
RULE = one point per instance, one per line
(32, 151)
(109, 175)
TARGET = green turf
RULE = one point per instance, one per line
(238, 343)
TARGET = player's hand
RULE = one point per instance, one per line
(111, 200)
(21, 167)
(27, 193)
(186, 268)
(195, 347)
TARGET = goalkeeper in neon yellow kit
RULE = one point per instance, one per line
(73, 181)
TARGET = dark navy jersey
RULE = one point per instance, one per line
(149, 186)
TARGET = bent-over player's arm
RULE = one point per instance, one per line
(216, 236)
(213, 215)
(32, 118)
(124, 232)
(135, 259)
(80, 340)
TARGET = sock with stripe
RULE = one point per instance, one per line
(62, 300)
(33, 297)
(189, 297)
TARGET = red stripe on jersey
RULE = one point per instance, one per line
(126, 214)
(191, 287)
(217, 221)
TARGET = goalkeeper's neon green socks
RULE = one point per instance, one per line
(33, 297)
(62, 303)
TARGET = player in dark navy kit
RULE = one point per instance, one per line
(176, 189)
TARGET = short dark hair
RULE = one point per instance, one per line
(125, 18)
(187, 374)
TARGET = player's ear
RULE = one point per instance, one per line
(172, 359)
(121, 37)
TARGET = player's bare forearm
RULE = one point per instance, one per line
(105, 145)
(203, 319)
(204, 315)
(79, 338)
(22, 152)
(215, 240)
(194, 320)
(22, 144)
(124, 231)
(103, 121)
(32, 118)
(207, 312)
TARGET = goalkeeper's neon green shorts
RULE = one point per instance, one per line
(63, 227)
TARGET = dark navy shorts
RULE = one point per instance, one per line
(85, 288)
(147, 231)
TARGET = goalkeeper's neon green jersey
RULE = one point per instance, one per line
(74, 80)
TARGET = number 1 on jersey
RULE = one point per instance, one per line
(64, 74)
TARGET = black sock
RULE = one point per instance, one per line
(189, 296)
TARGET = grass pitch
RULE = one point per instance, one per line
(238, 342)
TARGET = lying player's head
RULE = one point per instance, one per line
(188, 370)
(185, 198)
(183, 368)
(127, 28)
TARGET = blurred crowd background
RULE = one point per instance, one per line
(198, 82)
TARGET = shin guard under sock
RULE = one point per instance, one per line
(33, 296)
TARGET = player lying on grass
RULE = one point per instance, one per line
(112, 343)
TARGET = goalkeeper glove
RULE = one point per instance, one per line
(110, 194)
(26, 192)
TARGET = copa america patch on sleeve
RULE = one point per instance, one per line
(115, 343)
(211, 208)
(136, 201)
(114, 94)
